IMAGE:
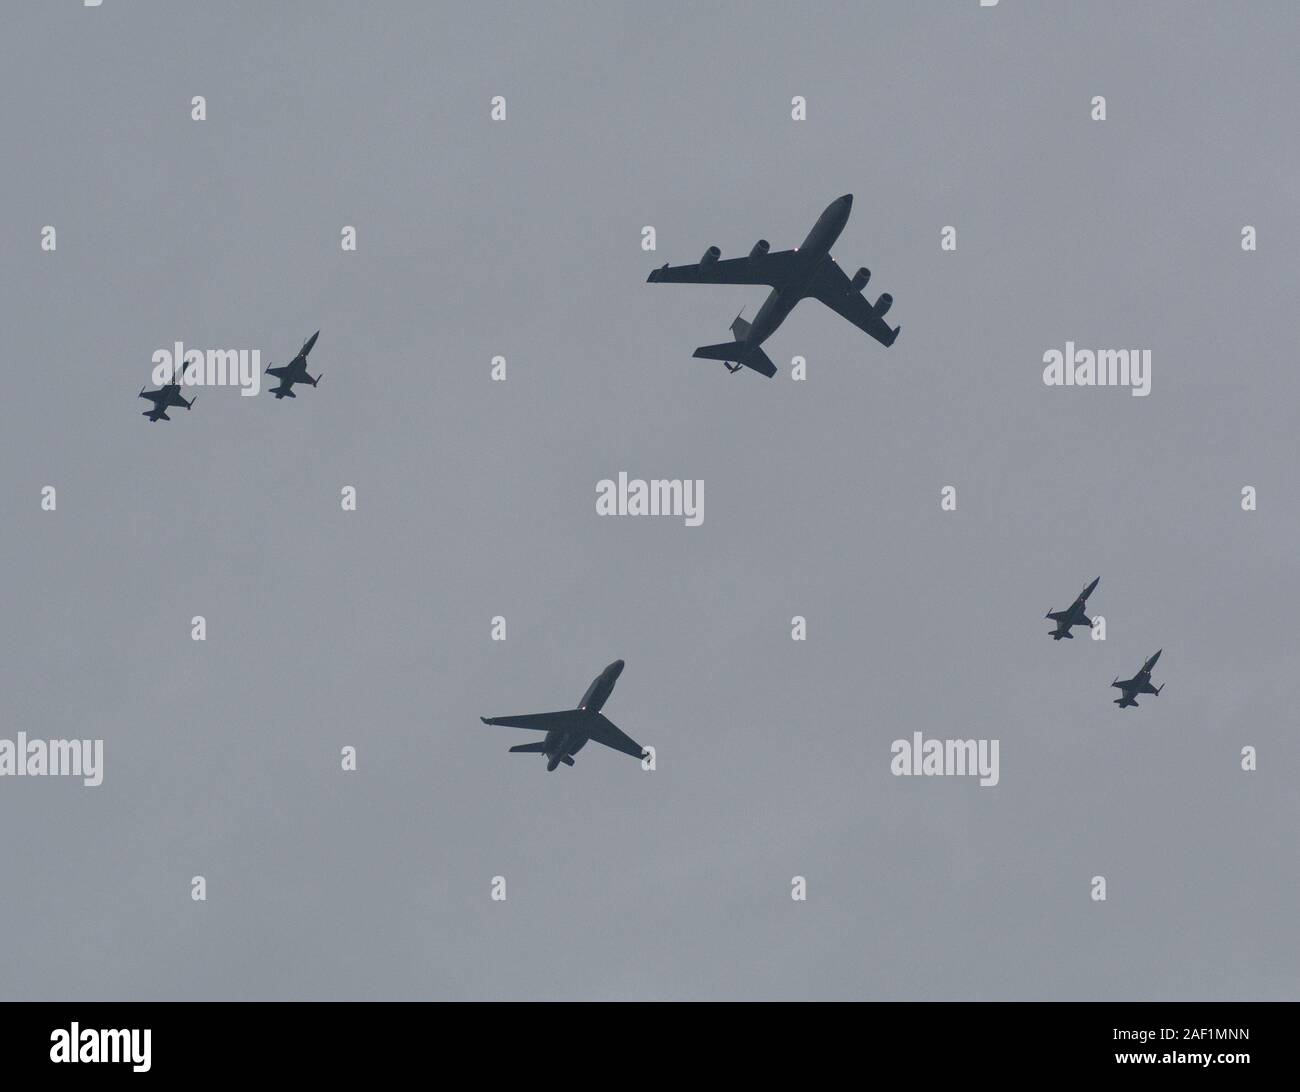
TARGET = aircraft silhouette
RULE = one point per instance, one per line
(1139, 684)
(808, 270)
(1073, 615)
(166, 397)
(567, 731)
(295, 371)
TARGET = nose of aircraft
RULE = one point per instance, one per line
(846, 201)
(617, 665)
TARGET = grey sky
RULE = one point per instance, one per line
(477, 498)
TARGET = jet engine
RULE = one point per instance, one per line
(760, 248)
(860, 279)
(710, 256)
(884, 303)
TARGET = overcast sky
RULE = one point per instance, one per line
(522, 239)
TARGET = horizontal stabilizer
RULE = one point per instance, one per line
(538, 748)
(567, 759)
(752, 356)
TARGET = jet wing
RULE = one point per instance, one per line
(832, 287)
(603, 730)
(177, 399)
(543, 722)
(152, 396)
(772, 268)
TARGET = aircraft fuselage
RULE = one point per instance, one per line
(559, 742)
(815, 250)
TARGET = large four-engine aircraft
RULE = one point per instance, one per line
(1073, 615)
(1139, 684)
(295, 371)
(567, 731)
(808, 270)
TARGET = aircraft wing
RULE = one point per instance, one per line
(772, 268)
(543, 722)
(832, 287)
(152, 396)
(603, 730)
(177, 399)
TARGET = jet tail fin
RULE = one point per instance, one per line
(752, 356)
(538, 748)
(567, 759)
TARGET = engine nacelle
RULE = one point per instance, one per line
(883, 304)
(710, 256)
(760, 248)
(860, 279)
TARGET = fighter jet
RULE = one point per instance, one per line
(295, 371)
(1139, 684)
(808, 270)
(1073, 615)
(567, 732)
(165, 397)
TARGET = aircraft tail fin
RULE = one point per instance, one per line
(538, 748)
(752, 356)
(567, 759)
(740, 328)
